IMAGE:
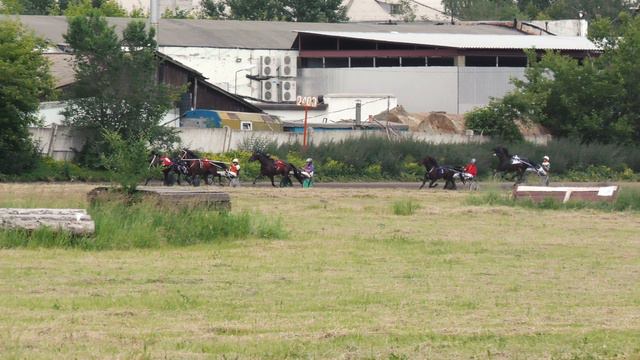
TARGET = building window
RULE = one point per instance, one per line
(246, 126)
(480, 61)
(361, 62)
(440, 61)
(395, 9)
(336, 62)
(387, 62)
(512, 61)
(414, 61)
(311, 63)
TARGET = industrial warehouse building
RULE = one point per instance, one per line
(422, 66)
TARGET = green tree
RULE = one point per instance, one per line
(137, 12)
(532, 9)
(569, 9)
(496, 119)
(597, 100)
(177, 13)
(482, 9)
(125, 159)
(212, 9)
(24, 80)
(272, 10)
(116, 88)
(109, 8)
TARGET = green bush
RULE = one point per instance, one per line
(377, 158)
(125, 224)
(47, 169)
(351, 159)
(601, 173)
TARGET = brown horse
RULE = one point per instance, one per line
(197, 167)
(270, 168)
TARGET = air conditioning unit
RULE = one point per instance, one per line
(268, 66)
(288, 66)
(270, 90)
(288, 90)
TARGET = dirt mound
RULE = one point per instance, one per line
(434, 122)
(443, 123)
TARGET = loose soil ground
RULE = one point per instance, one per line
(351, 280)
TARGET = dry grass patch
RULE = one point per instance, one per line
(352, 280)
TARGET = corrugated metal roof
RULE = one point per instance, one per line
(470, 41)
(250, 34)
(61, 69)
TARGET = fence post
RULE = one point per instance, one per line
(52, 139)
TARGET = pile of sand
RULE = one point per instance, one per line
(443, 123)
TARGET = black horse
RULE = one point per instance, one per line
(435, 172)
(270, 168)
(515, 165)
(206, 168)
(170, 173)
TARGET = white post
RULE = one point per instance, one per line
(154, 19)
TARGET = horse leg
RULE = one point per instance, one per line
(432, 184)
(424, 181)
(272, 182)
(256, 179)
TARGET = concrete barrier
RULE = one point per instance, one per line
(76, 221)
(566, 193)
(59, 142)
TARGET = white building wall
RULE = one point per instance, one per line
(50, 113)
(223, 67)
(479, 84)
(189, 5)
(417, 89)
(341, 107)
(59, 142)
(449, 89)
(564, 27)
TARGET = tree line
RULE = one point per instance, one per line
(537, 9)
(263, 10)
(593, 100)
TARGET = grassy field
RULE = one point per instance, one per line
(381, 274)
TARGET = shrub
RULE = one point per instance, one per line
(127, 161)
(47, 169)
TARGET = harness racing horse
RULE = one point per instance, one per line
(174, 166)
(435, 172)
(270, 168)
(515, 165)
(197, 167)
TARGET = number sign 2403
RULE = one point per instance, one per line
(307, 101)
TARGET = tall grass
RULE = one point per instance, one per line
(146, 225)
(405, 207)
(352, 158)
(627, 200)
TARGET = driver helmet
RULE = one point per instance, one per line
(235, 161)
(473, 161)
(309, 160)
(546, 158)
